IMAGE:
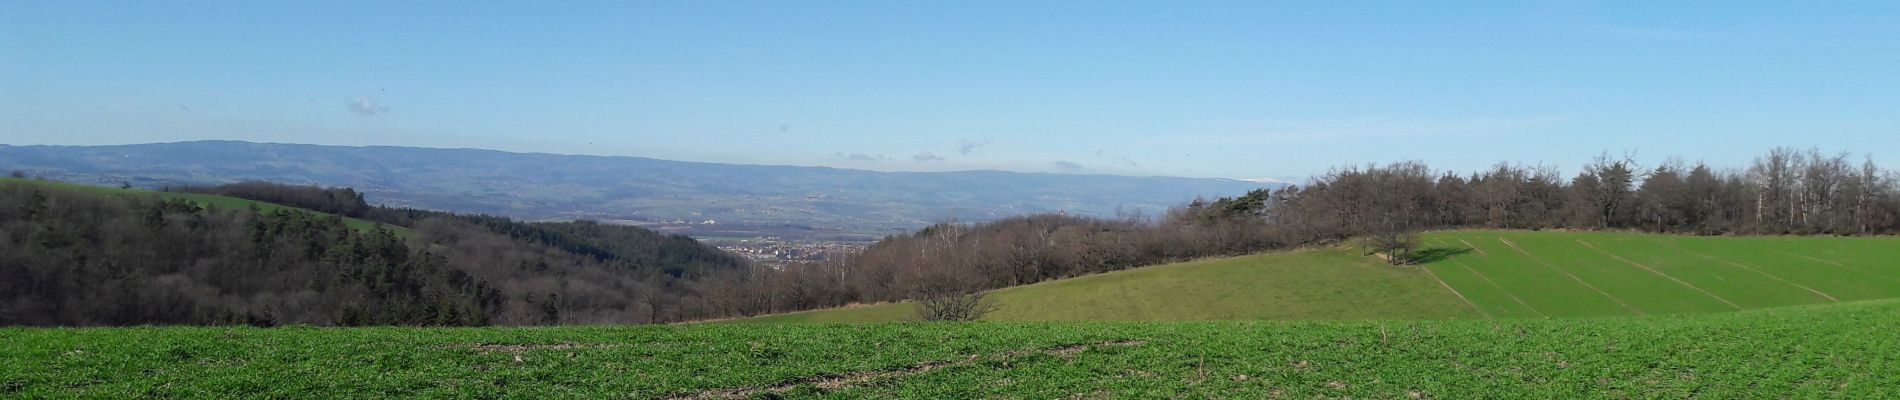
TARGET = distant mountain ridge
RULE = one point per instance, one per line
(552, 186)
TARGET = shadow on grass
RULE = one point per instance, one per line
(1436, 254)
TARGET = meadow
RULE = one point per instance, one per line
(1471, 274)
(1846, 350)
(1307, 284)
(1517, 274)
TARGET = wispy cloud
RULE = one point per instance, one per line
(860, 156)
(926, 156)
(1103, 155)
(1270, 132)
(1067, 166)
(367, 106)
(968, 147)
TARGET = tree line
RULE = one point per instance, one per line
(1782, 192)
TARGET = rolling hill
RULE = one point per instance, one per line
(1479, 275)
(1495, 314)
(548, 186)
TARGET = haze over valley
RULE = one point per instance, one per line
(809, 204)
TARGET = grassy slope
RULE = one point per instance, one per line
(203, 199)
(1848, 350)
(1491, 274)
(1288, 285)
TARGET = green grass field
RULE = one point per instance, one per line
(1510, 274)
(1287, 285)
(1487, 274)
(1844, 350)
(201, 199)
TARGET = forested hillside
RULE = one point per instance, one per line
(82, 257)
(635, 246)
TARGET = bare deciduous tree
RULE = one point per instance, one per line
(951, 296)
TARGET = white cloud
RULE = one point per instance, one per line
(926, 156)
(367, 106)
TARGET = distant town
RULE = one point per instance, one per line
(778, 253)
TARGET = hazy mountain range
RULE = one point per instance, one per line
(550, 186)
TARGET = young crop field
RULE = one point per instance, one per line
(1473, 274)
(1514, 274)
(1846, 350)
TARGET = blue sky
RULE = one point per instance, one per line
(1221, 89)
